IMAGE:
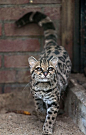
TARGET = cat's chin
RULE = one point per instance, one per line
(44, 80)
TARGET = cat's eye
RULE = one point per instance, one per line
(39, 69)
(50, 68)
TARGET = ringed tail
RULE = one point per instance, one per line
(42, 20)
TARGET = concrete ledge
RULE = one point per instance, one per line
(75, 104)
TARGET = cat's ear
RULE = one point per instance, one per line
(32, 62)
(54, 61)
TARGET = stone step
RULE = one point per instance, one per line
(75, 103)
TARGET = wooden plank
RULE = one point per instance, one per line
(76, 47)
(68, 25)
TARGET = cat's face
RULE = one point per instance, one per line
(43, 70)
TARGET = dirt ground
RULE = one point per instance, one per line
(20, 124)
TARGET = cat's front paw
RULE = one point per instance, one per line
(46, 133)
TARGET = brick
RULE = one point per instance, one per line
(13, 2)
(53, 12)
(0, 60)
(31, 29)
(7, 89)
(7, 76)
(15, 87)
(14, 13)
(0, 90)
(47, 1)
(23, 76)
(27, 1)
(0, 29)
(16, 61)
(19, 45)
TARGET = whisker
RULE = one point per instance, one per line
(26, 86)
(62, 98)
(28, 76)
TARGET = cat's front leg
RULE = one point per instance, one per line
(50, 120)
(40, 109)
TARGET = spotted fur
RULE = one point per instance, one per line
(50, 73)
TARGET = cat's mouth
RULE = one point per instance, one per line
(44, 80)
(43, 83)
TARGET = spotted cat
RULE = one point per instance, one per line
(50, 73)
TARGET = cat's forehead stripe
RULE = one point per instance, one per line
(44, 61)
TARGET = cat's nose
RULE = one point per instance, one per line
(45, 74)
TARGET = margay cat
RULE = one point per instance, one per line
(50, 73)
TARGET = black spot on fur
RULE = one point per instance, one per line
(55, 112)
(48, 47)
(38, 17)
(52, 43)
(37, 103)
(49, 112)
(65, 55)
(53, 118)
(51, 37)
(49, 90)
(60, 66)
(54, 103)
(49, 51)
(48, 117)
(62, 59)
(50, 122)
(50, 57)
(49, 105)
(57, 107)
(48, 25)
(56, 52)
